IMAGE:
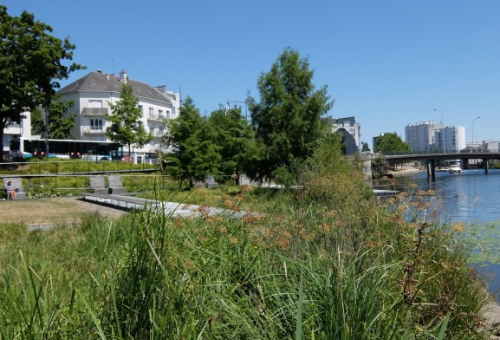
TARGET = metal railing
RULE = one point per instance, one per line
(94, 111)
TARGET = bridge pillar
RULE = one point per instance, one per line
(431, 169)
(465, 163)
(486, 165)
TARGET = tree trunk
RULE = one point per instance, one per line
(2, 129)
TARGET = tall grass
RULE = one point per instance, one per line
(326, 262)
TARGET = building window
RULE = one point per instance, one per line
(160, 113)
(141, 108)
(96, 104)
(96, 123)
(151, 112)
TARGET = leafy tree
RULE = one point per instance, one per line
(287, 120)
(391, 142)
(234, 135)
(59, 124)
(365, 148)
(31, 63)
(126, 125)
(195, 154)
(380, 167)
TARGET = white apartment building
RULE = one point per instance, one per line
(450, 138)
(421, 136)
(93, 95)
(16, 130)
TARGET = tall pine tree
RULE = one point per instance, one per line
(195, 154)
(287, 120)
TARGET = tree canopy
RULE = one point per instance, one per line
(31, 65)
(126, 126)
(195, 155)
(59, 124)
(365, 147)
(391, 142)
(234, 136)
(287, 120)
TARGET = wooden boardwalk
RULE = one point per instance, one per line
(171, 209)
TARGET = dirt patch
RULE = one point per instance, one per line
(51, 210)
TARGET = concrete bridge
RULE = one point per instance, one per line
(431, 158)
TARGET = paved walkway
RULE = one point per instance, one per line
(171, 208)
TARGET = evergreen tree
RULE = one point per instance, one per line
(365, 148)
(233, 134)
(126, 126)
(287, 120)
(195, 154)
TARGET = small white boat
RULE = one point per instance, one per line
(379, 193)
(441, 169)
(454, 169)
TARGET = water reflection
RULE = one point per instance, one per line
(473, 198)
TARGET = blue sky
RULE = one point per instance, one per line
(388, 62)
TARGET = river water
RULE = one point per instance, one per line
(473, 198)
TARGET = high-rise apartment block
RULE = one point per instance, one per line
(433, 137)
(421, 136)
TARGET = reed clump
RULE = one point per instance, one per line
(325, 262)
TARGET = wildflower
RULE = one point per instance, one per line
(228, 204)
(283, 242)
(233, 240)
(459, 227)
(223, 230)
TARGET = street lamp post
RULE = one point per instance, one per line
(442, 129)
(473, 131)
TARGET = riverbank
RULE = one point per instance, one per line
(217, 248)
(405, 170)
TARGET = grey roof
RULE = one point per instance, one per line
(101, 82)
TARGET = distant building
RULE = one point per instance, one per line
(450, 138)
(421, 136)
(491, 146)
(375, 141)
(16, 130)
(350, 126)
(93, 95)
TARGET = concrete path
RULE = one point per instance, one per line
(172, 209)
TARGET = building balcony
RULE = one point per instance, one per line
(157, 134)
(157, 118)
(94, 131)
(94, 111)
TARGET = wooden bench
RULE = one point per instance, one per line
(97, 184)
(17, 184)
(115, 185)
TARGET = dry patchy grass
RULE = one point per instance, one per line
(50, 210)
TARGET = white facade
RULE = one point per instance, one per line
(17, 130)
(451, 138)
(93, 95)
(490, 146)
(350, 125)
(421, 136)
